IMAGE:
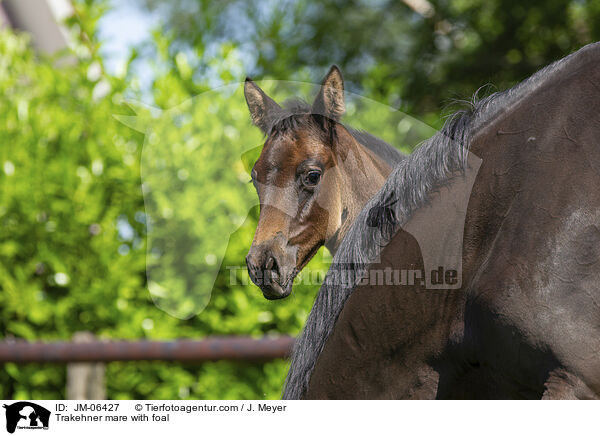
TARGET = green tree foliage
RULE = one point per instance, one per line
(417, 60)
(73, 236)
(89, 206)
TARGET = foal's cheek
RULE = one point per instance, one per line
(329, 197)
(323, 220)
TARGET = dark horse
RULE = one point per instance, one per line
(313, 177)
(525, 320)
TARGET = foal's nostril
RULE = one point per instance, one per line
(270, 263)
(271, 270)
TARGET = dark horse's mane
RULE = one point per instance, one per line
(293, 117)
(407, 189)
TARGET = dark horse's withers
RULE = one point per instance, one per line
(313, 177)
(525, 322)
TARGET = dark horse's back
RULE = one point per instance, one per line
(533, 305)
(525, 322)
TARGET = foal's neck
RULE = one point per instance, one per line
(361, 175)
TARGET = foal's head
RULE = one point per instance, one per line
(308, 179)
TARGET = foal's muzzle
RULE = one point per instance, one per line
(272, 268)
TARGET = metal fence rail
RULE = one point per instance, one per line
(205, 350)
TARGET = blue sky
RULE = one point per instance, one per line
(124, 26)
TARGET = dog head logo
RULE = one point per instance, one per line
(26, 415)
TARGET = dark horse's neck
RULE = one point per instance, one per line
(405, 194)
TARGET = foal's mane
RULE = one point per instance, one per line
(406, 190)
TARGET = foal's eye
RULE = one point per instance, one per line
(312, 178)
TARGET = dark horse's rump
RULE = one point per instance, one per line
(526, 320)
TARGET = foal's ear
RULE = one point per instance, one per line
(262, 107)
(330, 100)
